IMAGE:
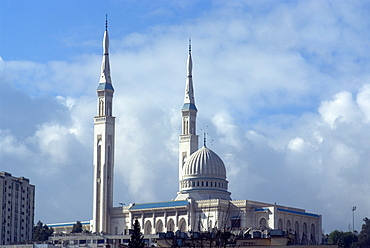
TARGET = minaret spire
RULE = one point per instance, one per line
(105, 67)
(188, 140)
(189, 91)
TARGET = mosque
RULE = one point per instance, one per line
(203, 202)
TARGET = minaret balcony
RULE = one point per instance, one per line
(100, 119)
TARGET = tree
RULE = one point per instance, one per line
(137, 237)
(42, 232)
(77, 228)
(364, 236)
(344, 239)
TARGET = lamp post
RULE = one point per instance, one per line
(353, 218)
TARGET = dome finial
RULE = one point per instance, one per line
(205, 139)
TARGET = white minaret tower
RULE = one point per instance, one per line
(188, 138)
(104, 133)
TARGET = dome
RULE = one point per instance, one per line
(203, 177)
(204, 163)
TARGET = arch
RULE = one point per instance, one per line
(280, 224)
(313, 234)
(288, 225)
(159, 226)
(148, 227)
(305, 228)
(182, 225)
(170, 225)
(296, 231)
(210, 225)
(263, 223)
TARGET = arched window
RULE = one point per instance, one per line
(159, 226)
(198, 183)
(116, 230)
(313, 234)
(280, 224)
(263, 224)
(304, 234)
(296, 230)
(202, 183)
(207, 184)
(288, 225)
(109, 164)
(171, 225)
(98, 157)
(148, 227)
(211, 184)
(305, 228)
(182, 225)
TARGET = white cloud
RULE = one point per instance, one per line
(341, 109)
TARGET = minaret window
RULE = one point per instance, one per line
(101, 107)
(109, 164)
(109, 108)
(98, 159)
(186, 126)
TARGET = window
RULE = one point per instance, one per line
(280, 224)
(159, 226)
(182, 225)
(263, 223)
(171, 225)
(148, 227)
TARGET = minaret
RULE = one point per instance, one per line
(188, 139)
(104, 133)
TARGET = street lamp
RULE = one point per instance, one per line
(353, 218)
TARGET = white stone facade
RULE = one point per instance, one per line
(203, 202)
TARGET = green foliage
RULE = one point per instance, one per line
(364, 236)
(344, 239)
(136, 240)
(42, 232)
(77, 228)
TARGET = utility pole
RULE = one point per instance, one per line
(353, 218)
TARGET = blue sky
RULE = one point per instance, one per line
(282, 89)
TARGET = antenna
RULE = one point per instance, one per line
(106, 22)
(205, 137)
